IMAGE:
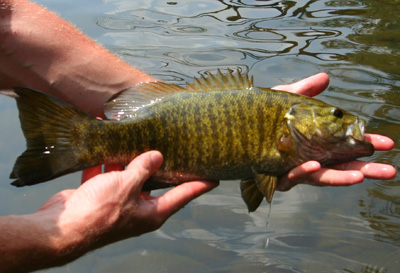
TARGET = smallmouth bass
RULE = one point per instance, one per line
(220, 127)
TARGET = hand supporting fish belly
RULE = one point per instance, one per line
(219, 127)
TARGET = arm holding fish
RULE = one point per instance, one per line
(344, 174)
(41, 50)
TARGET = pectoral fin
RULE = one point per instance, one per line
(251, 194)
(266, 184)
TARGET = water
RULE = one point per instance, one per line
(310, 229)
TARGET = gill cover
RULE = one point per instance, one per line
(326, 133)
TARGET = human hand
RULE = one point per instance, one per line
(111, 207)
(343, 174)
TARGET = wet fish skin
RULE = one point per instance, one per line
(194, 133)
(219, 127)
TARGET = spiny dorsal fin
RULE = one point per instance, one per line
(220, 82)
(126, 103)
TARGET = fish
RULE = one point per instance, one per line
(219, 127)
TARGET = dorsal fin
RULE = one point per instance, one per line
(220, 82)
(126, 103)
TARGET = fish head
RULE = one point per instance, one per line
(326, 133)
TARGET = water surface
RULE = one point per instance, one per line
(310, 229)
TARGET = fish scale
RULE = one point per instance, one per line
(203, 143)
(220, 127)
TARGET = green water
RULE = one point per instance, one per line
(310, 229)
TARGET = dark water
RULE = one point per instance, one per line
(349, 229)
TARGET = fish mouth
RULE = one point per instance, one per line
(354, 146)
(355, 130)
(347, 148)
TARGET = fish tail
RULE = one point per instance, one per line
(48, 126)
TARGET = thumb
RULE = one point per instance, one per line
(310, 86)
(141, 168)
(178, 197)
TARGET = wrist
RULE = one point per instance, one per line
(56, 240)
(30, 242)
(56, 237)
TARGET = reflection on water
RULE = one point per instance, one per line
(355, 229)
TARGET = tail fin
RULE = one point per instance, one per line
(47, 124)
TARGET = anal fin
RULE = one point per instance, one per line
(266, 184)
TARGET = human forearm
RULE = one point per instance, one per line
(42, 51)
(32, 242)
(51, 237)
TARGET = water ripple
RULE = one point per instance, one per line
(354, 229)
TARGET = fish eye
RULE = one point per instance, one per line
(337, 113)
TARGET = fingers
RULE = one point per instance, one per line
(331, 177)
(381, 143)
(162, 207)
(343, 174)
(113, 167)
(178, 197)
(298, 174)
(323, 177)
(304, 169)
(90, 173)
(369, 170)
(310, 86)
